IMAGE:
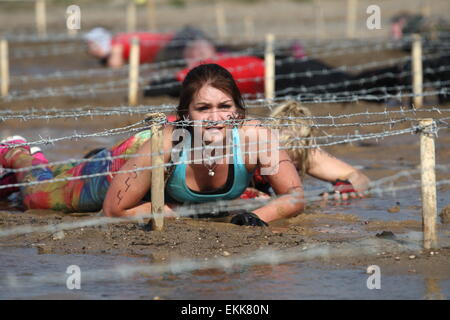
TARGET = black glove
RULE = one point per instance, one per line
(247, 218)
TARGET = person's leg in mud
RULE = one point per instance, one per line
(381, 82)
(69, 195)
(293, 78)
(88, 194)
(42, 196)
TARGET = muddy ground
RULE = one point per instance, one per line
(207, 239)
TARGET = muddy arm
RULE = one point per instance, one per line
(287, 184)
(326, 167)
(115, 59)
(127, 189)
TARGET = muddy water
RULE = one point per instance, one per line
(286, 281)
(20, 267)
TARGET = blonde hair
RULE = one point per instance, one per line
(298, 128)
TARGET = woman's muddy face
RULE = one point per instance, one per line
(212, 104)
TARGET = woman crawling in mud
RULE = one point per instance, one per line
(211, 112)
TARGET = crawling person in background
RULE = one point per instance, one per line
(297, 134)
(210, 107)
(114, 51)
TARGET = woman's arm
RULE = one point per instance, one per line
(127, 189)
(115, 59)
(287, 184)
(283, 178)
(324, 166)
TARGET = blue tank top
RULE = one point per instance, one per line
(177, 189)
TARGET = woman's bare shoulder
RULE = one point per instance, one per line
(251, 124)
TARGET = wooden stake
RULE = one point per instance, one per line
(351, 18)
(426, 8)
(4, 67)
(417, 71)
(131, 16)
(320, 25)
(41, 18)
(269, 64)
(249, 28)
(134, 72)
(428, 176)
(157, 188)
(151, 15)
(221, 22)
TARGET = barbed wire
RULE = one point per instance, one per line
(89, 111)
(346, 139)
(279, 43)
(360, 81)
(353, 98)
(186, 123)
(375, 188)
(47, 51)
(90, 88)
(182, 62)
(310, 251)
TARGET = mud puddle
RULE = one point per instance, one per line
(44, 277)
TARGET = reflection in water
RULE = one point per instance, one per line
(21, 269)
(433, 290)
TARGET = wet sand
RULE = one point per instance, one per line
(207, 239)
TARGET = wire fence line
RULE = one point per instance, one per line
(398, 88)
(391, 122)
(361, 81)
(181, 62)
(263, 122)
(345, 139)
(96, 88)
(92, 111)
(206, 209)
(270, 103)
(279, 44)
(317, 99)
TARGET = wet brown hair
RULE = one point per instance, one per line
(215, 76)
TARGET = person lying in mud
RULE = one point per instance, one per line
(248, 72)
(189, 44)
(211, 109)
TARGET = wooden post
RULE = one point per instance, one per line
(4, 67)
(133, 85)
(131, 16)
(151, 15)
(221, 22)
(249, 28)
(320, 26)
(157, 187)
(426, 8)
(351, 17)
(41, 19)
(417, 71)
(269, 64)
(428, 177)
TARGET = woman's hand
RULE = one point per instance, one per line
(354, 187)
(247, 218)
